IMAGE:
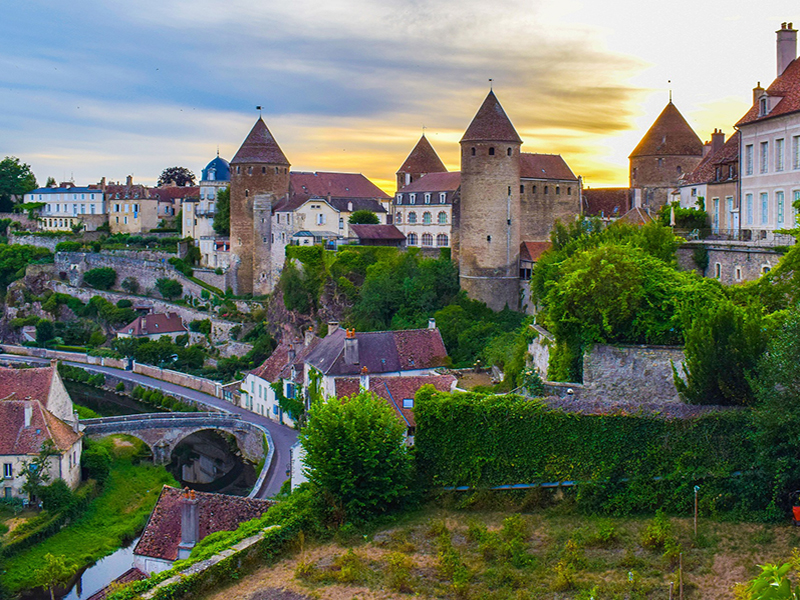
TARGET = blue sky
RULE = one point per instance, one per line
(91, 89)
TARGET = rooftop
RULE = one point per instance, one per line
(608, 202)
(377, 232)
(435, 182)
(787, 87)
(303, 184)
(670, 135)
(153, 324)
(544, 166)
(491, 124)
(18, 439)
(260, 147)
(423, 159)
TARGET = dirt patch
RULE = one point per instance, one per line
(122, 443)
(469, 380)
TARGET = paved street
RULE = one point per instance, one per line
(283, 438)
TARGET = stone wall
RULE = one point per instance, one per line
(738, 261)
(23, 220)
(539, 349)
(211, 278)
(182, 379)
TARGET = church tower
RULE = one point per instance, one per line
(259, 178)
(422, 160)
(488, 237)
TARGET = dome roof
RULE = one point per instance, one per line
(217, 170)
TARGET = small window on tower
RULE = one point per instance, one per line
(263, 169)
(488, 238)
(509, 152)
(238, 171)
(277, 170)
(246, 193)
(545, 189)
(491, 151)
(473, 152)
(249, 170)
(558, 190)
(533, 190)
(521, 189)
(569, 191)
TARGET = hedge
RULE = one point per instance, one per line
(623, 463)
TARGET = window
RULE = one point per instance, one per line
(569, 191)
(491, 151)
(442, 218)
(748, 200)
(8, 470)
(246, 193)
(411, 240)
(748, 159)
(545, 189)
(558, 190)
(427, 239)
(660, 162)
(442, 197)
(341, 222)
(427, 198)
(765, 269)
(473, 152)
(678, 169)
(762, 106)
(508, 152)
(263, 170)
(738, 273)
(408, 403)
(715, 215)
(533, 190)
(249, 170)
(398, 219)
(764, 208)
(521, 189)
(717, 270)
(779, 207)
(412, 217)
(764, 157)
(399, 198)
(779, 154)
(796, 152)
(426, 218)
(320, 218)
(795, 204)
(441, 240)
(729, 207)
(412, 198)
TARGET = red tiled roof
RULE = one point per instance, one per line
(396, 389)
(337, 185)
(128, 576)
(260, 147)
(153, 324)
(215, 512)
(636, 216)
(531, 251)
(132, 190)
(278, 366)
(705, 172)
(33, 384)
(491, 124)
(544, 166)
(175, 192)
(670, 135)
(435, 182)
(787, 87)
(423, 159)
(17, 439)
(377, 232)
(610, 202)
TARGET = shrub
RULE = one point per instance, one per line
(120, 387)
(201, 326)
(96, 462)
(56, 496)
(102, 278)
(130, 285)
(68, 246)
(124, 303)
(657, 532)
(398, 572)
(169, 288)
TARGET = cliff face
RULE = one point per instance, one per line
(281, 322)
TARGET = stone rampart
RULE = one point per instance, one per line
(730, 262)
(200, 384)
(211, 278)
(539, 349)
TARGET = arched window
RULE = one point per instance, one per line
(427, 239)
(509, 152)
(246, 193)
(441, 240)
(533, 191)
(491, 151)
(473, 152)
(398, 219)
(249, 170)
(411, 240)
(427, 198)
(412, 217)
(558, 190)
(442, 218)
(569, 191)
(263, 170)
(426, 218)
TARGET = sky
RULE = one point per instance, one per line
(92, 89)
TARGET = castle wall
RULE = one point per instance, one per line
(657, 180)
(543, 202)
(738, 261)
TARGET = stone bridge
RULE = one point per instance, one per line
(162, 432)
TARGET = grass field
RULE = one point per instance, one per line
(115, 517)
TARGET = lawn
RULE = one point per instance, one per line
(115, 517)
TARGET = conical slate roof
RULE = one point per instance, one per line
(491, 124)
(669, 135)
(260, 147)
(423, 159)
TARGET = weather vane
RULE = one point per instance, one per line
(491, 87)
(669, 82)
(258, 108)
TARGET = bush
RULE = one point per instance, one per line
(169, 288)
(96, 462)
(124, 303)
(56, 496)
(69, 246)
(120, 387)
(201, 326)
(102, 278)
(130, 285)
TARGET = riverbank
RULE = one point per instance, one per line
(113, 518)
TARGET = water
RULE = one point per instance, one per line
(101, 573)
(105, 403)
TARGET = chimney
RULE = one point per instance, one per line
(76, 422)
(333, 326)
(309, 337)
(349, 207)
(787, 46)
(189, 523)
(291, 354)
(706, 148)
(431, 323)
(129, 181)
(28, 413)
(364, 379)
(758, 91)
(717, 141)
(350, 348)
(103, 184)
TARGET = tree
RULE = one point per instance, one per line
(356, 456)
(364, 217)
(130, 285)
(35, 471)
(51, 182)
(102, 278)
(54, 572)
(169, 288)
(16, 180)
(179, 175)
(222, 216)
(45, 331)
(14, 259)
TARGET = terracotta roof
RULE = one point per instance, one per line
(154, 324)
(544, 166)
(435, 182)
(21, 384)
(787, 87)
(636, 216)
(706, 171)
(337, 185)
(377, 232)
(670, 135)
(396, 389)
(132, 190)
(531, 251)
(278, 366)
(260, 147)
(128, 576)
(381, 352)
(491, 124)
(175, 192)
(610, 202)
(423, 159)
(215, 512)
(339, 204)
(17, 439)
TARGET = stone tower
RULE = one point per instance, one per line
(259, 178)
(488, 236)
(669, 149)
(422, 160)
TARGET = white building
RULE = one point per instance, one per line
(198, 214)
(423, 209)
(67, 206)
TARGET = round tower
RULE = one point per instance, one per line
(259, 169)
(488, 237)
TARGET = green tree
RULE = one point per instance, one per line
(102, 278)
(51, 182)
(55, 571)
(35, 472)
(45, 331)
(169, 288)
(14, 260)
(179, 175)
(222, 216)
(363, 217)
(16, 180)
(130, 285)
(356, 456)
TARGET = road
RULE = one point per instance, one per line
(283, 437)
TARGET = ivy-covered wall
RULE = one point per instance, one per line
(624, 463)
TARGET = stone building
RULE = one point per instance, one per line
(199, 213)
(421, 161)
(423, 209)
(668, 150)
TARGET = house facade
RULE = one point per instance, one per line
(423, 209)
(69, 206)
(153, 326)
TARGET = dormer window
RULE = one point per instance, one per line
(763, 107)
(412, 198)
(399, 198)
